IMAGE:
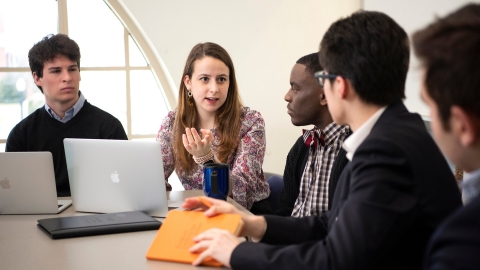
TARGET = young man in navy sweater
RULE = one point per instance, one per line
(55, 66)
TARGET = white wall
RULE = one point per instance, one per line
(413, 15)
(264, 39)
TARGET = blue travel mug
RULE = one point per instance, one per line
(216, 180)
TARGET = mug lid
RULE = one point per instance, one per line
(215, 165)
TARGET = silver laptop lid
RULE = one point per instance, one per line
(109, 176)
(27, 183)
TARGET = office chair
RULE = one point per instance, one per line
(276, 185)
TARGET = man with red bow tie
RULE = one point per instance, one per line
(317, 159)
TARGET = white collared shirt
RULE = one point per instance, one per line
(471, 175)
(70, 113)
(356, 139)
(471, 186)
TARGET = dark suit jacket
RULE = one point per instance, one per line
(389, 199)
(292, 176)
(456, 243)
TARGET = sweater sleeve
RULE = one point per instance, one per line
(16, 141)
(117, 131)
(248, 182)
(164, 136)
(291, 179)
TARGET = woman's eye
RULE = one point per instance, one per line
(222, 79)
(204, 79)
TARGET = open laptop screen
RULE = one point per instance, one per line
(109, 176)
(27, 184)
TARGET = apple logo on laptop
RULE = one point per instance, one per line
(114, 177)
(5, 184)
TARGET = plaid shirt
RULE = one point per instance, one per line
(313, 197)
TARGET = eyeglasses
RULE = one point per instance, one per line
(320, 77)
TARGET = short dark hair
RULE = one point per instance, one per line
(311, 62)
(449, 50)
(50, 47)
(371, 50)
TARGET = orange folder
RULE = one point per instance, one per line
(174, 237)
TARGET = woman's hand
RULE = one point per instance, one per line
(196, 146)
(168, 187)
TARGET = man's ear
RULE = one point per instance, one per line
(342, 87)
(187, 82)
(323, 99)
(464, 125)
(36, 79)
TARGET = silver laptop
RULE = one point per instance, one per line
(27, 184)
(108, 176)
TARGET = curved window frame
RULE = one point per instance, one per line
(154, 62)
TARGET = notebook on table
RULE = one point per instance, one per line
(97, 224)
(108, 176)
(175, 237)
(27, 184)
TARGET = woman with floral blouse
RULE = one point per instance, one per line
(210, 124)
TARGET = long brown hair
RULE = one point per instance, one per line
(227, 118)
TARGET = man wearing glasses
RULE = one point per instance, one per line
(393, 193)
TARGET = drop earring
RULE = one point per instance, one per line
(189, 98)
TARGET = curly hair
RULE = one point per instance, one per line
(50, 47)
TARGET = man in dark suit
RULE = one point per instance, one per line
(449, 50)
(317, 159)
(393, 193)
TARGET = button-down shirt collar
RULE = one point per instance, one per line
(70, 113)
(356, 139)
(471, 186)
(332, 131)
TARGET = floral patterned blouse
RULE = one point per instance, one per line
(248, 181)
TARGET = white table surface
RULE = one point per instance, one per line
(24, 246)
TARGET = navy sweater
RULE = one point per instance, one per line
(40, 132)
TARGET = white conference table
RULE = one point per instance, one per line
(24, 246)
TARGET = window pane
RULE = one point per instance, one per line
(106, 90)
(97, 31)
(148, 104)
(19, 97)
(136, 57)
(22, 23)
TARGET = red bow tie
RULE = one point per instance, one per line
(312, 137)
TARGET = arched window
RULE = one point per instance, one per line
(119, 70)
